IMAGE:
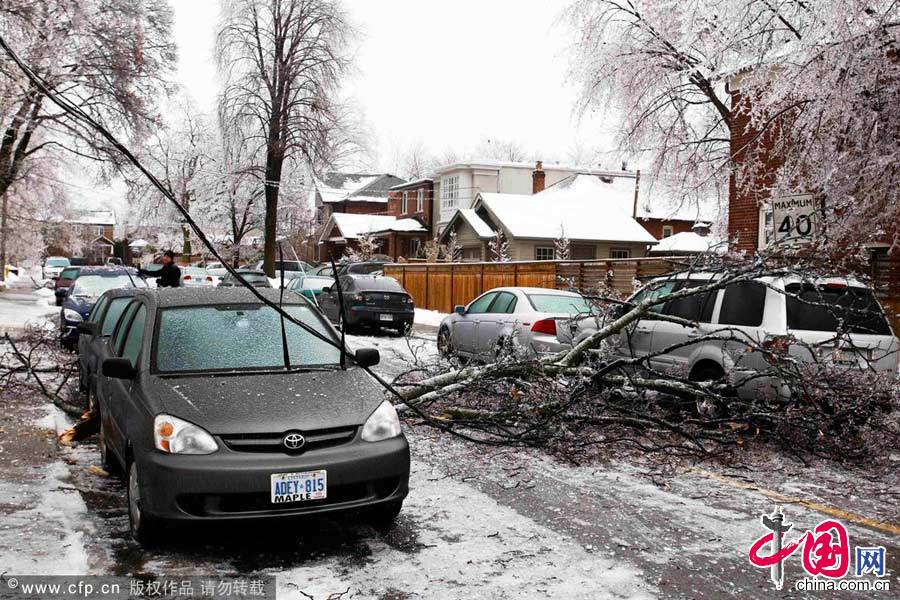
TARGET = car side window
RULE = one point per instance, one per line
(122, 327)
(97, 311)
(116, 307)
(505, 303)
(693, 307)
(132, 346)
(652, 291)
(482, 304)
(743, 304)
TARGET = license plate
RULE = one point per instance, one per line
(386, 317)
(298, 487)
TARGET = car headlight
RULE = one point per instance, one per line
(175, 436)
(72, 315)
(382, 424)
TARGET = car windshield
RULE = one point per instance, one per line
(68, 274)
(194, 271)
(57, 262)
(365, 268)
(237, 338)
(94, 285)
(378, 284)
(559, 303)
(214, 265)
(827, 308)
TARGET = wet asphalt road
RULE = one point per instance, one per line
(479, 523)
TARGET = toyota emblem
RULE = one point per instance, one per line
(293, 441)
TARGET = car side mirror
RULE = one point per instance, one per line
(88, 328)
(459, 309)
(326, 289)
(367, 357)
(118, 368)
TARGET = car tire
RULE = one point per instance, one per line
(382, 517)
(144, 528)
(707, 407)
(342, 326)
(445, 343)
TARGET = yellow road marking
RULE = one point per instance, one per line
(817, 506)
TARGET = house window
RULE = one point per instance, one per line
(619, 253)
(414, 248)
(100, 230)
(450, 191)
(420, 200)
(544, 253)
(667, 231)
(404, 208)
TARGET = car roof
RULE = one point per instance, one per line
(534, 290)
(209, 296)
(127, 292)
(103, 271)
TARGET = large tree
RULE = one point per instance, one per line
(111, 56)
(282, 62)
(820, 77)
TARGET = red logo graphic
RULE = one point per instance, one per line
(826, 548)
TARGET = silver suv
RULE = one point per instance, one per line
(797, 317)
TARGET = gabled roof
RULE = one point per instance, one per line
(412, 183)
(93, 217)
(687, 241)
(587, 208)
(481, 229)
(350, 226)
(366, 187)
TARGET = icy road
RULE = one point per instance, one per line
(478, 523)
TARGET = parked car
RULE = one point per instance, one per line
(253, 277)
(534, 320)
(63, 282)
(369, 301)
(372, 267)
(198, 446)
(53, 266)
(195, 277)
(310, 286)
(292, 268)
(795, 317)
(88, 286)
(93, 334)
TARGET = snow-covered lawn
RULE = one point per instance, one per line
(425, 316)
(21, 306)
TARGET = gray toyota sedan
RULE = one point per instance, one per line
(211, 418)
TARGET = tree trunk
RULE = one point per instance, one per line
(274, 161)
(4, 209)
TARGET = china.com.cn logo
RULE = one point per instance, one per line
(825, 552)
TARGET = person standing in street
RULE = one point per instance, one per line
(169, 275)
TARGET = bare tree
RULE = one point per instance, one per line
(562, 245)
(499, 247)
(282, 62)
(501, 149)
(184, 156)
(115, 65)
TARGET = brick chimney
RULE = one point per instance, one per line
(537, 178)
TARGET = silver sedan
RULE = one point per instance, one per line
(532, 320)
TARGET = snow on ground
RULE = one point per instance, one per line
(20, 306)
(470, 546)
(425, 316)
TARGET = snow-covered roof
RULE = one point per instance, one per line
(547, 166)
(368, 187)
(478, 225)
(587, 208)
(412, 183)
(351, 226)
(94, 217)
(139, 243)
(687, 242)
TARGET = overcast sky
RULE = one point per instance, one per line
(448, 73)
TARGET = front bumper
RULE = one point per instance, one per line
(236, 485)
(371, 315)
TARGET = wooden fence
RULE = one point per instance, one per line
(441, 286)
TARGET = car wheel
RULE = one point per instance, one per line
(382, 517)
(144, 528)
(708, 407)
(444, 343)
(343, 326)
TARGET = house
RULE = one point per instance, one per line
(685, 243)
(92, 233)
(357, 193)
(457, 185)
(343, 231)
(410, 200)
(591, 211)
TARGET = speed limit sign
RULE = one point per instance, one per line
(795, 219)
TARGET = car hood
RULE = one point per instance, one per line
(269, 402)
(80, 304)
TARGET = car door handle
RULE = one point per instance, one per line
(642, 329)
